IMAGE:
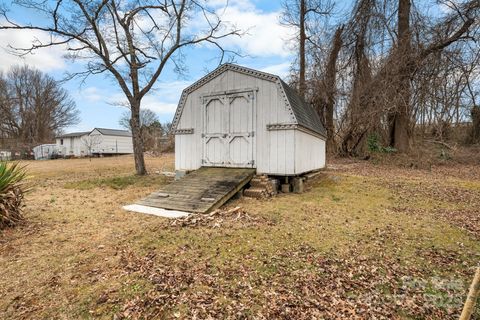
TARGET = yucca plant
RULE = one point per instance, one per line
(12, 190)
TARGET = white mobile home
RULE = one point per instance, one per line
(71, 144)
(99, 141)
(240, 117)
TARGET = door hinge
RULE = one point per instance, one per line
(251, 134)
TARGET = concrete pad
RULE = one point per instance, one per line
(159, 212)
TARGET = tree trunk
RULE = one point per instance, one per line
(302, 40)
(137, 139)
(400, 133)
(475, 124)
(329, 89)
(361, 114)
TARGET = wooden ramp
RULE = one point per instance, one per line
(201, 191)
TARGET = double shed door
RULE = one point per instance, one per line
(228, 135)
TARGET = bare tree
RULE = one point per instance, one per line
(297, 13)
(147, 118)
(360, 114)
(5, 105)
(444, 91)
(150, 127)
(33, 106)
(324, 97)
(381, 94)
(475, 124)
(130, 40)
(408, 61)
(90, 142)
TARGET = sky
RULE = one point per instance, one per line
(263, 47)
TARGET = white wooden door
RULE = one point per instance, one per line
(228, 138)
(214, 148)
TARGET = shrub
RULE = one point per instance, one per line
(374, 145)
(12, 190)
(444, 155)
(388, 149)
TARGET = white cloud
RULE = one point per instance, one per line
(158, 106)
(170, 90)
(281, 69)
(163, 99)
(45, 59)
(220, 4)
(92, 94)
(264, 35)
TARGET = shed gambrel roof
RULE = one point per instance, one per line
(304, 115)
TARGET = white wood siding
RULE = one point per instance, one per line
(274, 151)
(72, 146)
(112, 144)
(188, 147)
(109, 144)
(309, 152)
(281, 157)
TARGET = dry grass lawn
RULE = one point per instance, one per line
(365, 240)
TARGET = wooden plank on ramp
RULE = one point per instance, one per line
(201, 191)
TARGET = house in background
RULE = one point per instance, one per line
(71, 144)
(99, 141)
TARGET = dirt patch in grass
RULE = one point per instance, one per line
(118, 183)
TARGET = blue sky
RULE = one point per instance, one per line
(265, 48)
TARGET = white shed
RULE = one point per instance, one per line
(46, 151)
(240, 117)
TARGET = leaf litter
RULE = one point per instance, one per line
(304, 284)
(218, 218)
